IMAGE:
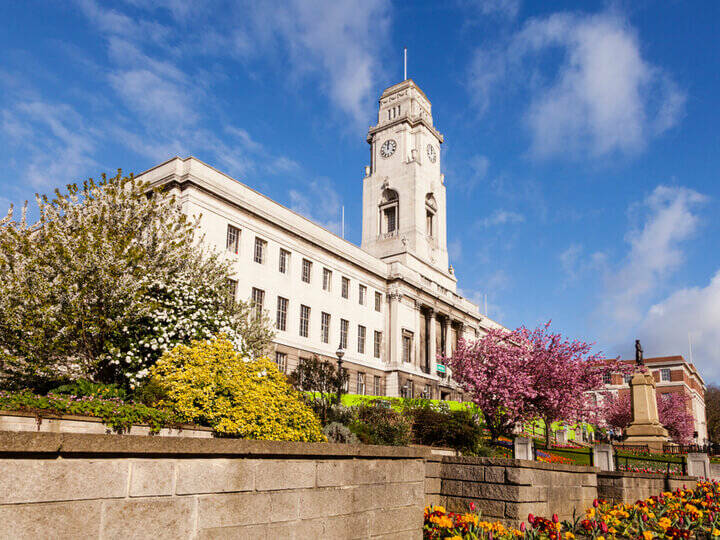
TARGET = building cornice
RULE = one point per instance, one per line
(412, 121)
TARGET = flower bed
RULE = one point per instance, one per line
(117, 414)
(684, 513)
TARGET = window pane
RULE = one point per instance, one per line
(232, 241)
(282, 306)
(281, 361)
(258, 299)
(306, 268)
(283, 262)
(304, 321)
(378, 341)
(327, 279)
(378, 301)
(345, 287)
(362, 293)
(325, 328)
(343, 333)
(259, 250)
(361, 339)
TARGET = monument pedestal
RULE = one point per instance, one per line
(645, 428)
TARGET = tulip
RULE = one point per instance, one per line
(596, 503)
(603, 527)
(531, 519)
(644, 517)
(522, 527)
(555, 518)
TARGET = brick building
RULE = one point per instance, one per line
(672, 374)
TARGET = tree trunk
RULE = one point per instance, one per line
(548, 429)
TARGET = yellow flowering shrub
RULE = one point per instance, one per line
(211, 384)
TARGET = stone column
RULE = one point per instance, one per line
(645, 427)
(418, 360)
(446, 329)
(395, 333)
(432, 342)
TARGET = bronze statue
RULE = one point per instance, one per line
(638, 353)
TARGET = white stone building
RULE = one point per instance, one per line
(392, 303)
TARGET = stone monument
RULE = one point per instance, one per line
(645, 427)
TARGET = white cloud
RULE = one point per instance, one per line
(569, 261)
(319, 202)
(507, 8)
(479, 166)
(603, 97)
(57, 144)
(501, 217)
(695, 311)
(668, 218)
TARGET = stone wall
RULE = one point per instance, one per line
(508, 489)
(629, 487)
(99, 486)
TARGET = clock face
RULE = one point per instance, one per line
(432, 154)
(388, 148)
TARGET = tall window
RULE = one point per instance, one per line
(343, 333)
(281, 361)
(306, 269)
(345, 287)
(390, 219)
(360, 383)
(346, 380)
(260, 246)
(362, 294)
(407, 347)
(376, 385)
(327, 279)
(325, 327)
(665, 374)
(389, 213)
(232, 288)
(607, 378)
(232, 241)
(378, 301)
(258, 299)
(361, 339)
(304, 321)
(282, 308)
(429, 223)
(377, 344)
(283, 261)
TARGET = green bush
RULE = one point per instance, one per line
(211, 384)
(83, 387)
(338, 433)
(458, 429)
(114, 412)
(378, 425)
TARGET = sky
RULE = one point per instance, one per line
(581, 152)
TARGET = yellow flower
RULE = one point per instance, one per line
(647, 535)
(569, 535)
(716, 532)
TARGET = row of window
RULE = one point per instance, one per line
(232, 245)
(281, 318)
(664, 376)
(360, 384)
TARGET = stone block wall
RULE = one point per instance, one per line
(628, 487)
(98, 486)
(508, 489)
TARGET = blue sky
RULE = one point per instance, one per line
(581, 156)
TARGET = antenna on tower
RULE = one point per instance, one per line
(405, 64)
(690, 345)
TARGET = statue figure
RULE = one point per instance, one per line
(638, 353)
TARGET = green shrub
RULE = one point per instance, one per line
(83, 387)
(211, 384)
(338, 433)
(114, 412)
(378, 425)
(458, 429)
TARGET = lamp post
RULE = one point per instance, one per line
(340, 353)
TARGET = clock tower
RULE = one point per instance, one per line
(404, 190)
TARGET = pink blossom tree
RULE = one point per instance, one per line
(495, 370)
(563, 373)
(672, 411)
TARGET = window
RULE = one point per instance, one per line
(232, 241)
(232, 288)
(427, 393)
(378, 301)
(327, 279)
(429, 223)
(607, 378)
(283, 261)
(362, 294)
(260, 246)
(345, 287)
(258, 299)
(304, 321)
(361, 383)
(627, 378)
(665, 374)
(390, 219)
(306, 269)
(346, 380)
(407, 347)
(377, 344)
(361, 339)
(325, 328)
(281, 361)
(376, 385)
(343, 333)
(282, 308)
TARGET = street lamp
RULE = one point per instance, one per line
(340, 353)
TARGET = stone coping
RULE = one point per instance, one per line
(657, 476)
(85, 418)
(69, 444)
(507, 462)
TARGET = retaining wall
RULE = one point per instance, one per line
(629, 487)
(116, 486)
